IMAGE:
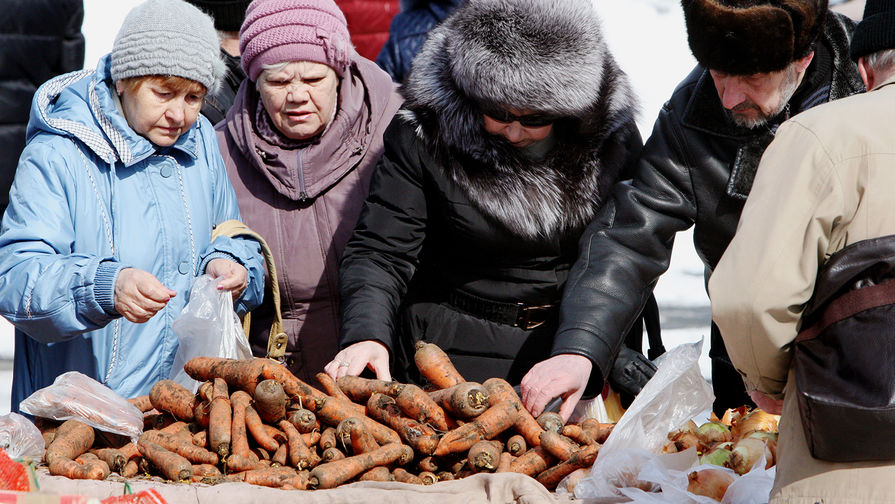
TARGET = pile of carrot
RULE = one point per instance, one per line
(254, 421)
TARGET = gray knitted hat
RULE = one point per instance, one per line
(168, 37)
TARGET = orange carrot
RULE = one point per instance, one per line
(498, 418)
(557, 446)
(330, 454)
(173, 466)
(294, 388)
(551, 421)
(428, 478)
(361, 441)
(416, 404)
(273, 477)
(256, 427)
(420, 436)
(279, 456)
(238, 462)
(200, 439)
(112, 457)
(239, 374)
(94, 468)
(596, 430)
(170, 396)
(360, 389)
(401, 475)
(299, 453)
(427, 464)
(445, 476)
(311, 438)
(328, 438)
(132, 467)
(220, 419)
(532, 462)
(333, 474)
(380, 473)
(332, 411)
(141, 402)
(436, 366)
(72, 439)
(584, 457)
(303, 419)
(270, 401)
(505, 462)
(484, 456)
(206, 471)
(516, 445)
(201, 413)
(499, 390)
(330, 386)
(465, 400)
(183, 447)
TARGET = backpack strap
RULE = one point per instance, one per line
(276, 343)
(849, 304)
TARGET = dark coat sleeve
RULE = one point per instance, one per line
(383, 252)
(626, 248)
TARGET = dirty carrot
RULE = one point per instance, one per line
(577, 434)
(428, 478)
(504, 462)
(557, 446)
(238, 462)
(330, 386)
(141, 402)
(401, 475)
(332, 474)
(597, 430)
(259, 433)
(584, 457)
(299, 453)
(328, 438)
(332, 411)
(551, 421)
(132, 467)
(331, 454)
(94, 468)
(496, 419)
(112, 457)
(303, 419)
(361, 441)
(270, 401)
(206, 471)
(201, 412)
(465, 400)
(72, 439)
(173, 466)
(516, 445)
(436, 366)
(311, 438)
(416, 404)
(279, 456)
(200, 439)
(360, 389)
(239, 440)
(181, 446)
(428, 464)
(532, 462)
(269, 476)
(380, 473)
(220, 419)
(420, 436)
(445, 476)
(170, 396)
(484, 456)
(294, 388)
(499, 390)
(243, 374)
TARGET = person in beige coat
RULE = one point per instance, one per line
(824, 183)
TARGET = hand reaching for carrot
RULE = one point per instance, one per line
(138, 295)
(232, 275)
(352, 360)
(563, 375)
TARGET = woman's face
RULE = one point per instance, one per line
(508, 125)
(300, 98)
(159, 111)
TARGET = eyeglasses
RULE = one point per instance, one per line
(528, 120)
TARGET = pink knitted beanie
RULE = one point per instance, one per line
(276, 31)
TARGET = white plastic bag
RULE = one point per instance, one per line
(207, 327)
(20, 438)
(673, 396)
(75, 395)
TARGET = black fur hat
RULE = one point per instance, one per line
(743, 37)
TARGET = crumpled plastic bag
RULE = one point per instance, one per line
(207, 327)
(76, 395)
(20, 438)
(673, 396)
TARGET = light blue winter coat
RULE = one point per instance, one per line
(91, 197)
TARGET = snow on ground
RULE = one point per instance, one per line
(648, 39)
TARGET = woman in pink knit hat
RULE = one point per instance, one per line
(300, 143)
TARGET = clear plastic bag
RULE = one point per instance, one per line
(674, 395)
(207, 327)
(75, 395)
(20, 438)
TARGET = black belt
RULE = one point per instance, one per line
(513, 314)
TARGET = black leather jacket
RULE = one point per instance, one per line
(696, 169)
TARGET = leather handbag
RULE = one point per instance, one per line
(276, 343)
(844, 356)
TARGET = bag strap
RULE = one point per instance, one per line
(276, 342)
(849, 304)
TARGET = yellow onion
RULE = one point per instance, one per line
(755, 420)
(719, 455)
(680, 442)
(746, 453)
(711, 433)
(710, 482)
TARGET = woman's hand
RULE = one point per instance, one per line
(139, 295)
(352, 360)
(234, 277)
(563, 375)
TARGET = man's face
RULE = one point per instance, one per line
(752, 100)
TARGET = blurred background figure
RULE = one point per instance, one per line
(300, 144)
(408, 31)
(228, 16)
(368, 22)
(39, 39)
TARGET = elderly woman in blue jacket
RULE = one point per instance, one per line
(112, 209)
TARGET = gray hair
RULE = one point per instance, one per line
(882, 62)
(267, 69)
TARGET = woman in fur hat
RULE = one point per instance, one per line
(516, 123)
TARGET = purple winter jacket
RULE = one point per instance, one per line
(305, 202)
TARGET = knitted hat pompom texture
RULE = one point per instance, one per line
(168, 37)
(876, 31)
(278, 31)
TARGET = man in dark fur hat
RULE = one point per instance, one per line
(760, 62)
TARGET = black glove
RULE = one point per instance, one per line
(630, 372)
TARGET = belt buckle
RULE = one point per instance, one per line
(529, 316)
